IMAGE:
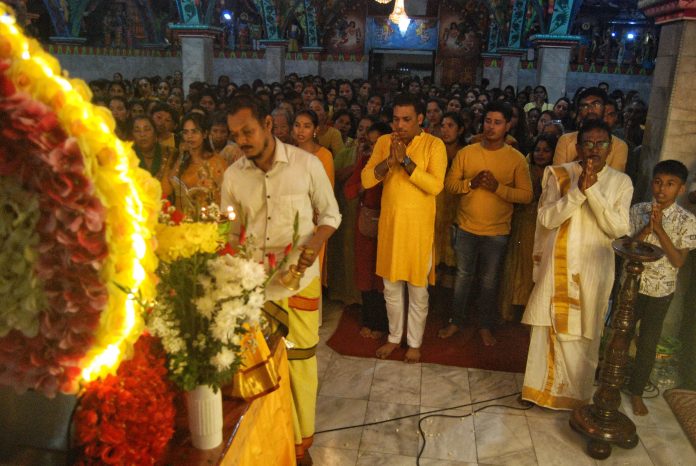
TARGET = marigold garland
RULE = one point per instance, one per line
(130, 200)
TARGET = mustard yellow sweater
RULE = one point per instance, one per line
(480, 211)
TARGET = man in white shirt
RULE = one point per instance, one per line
(268, 188)
(583, 207)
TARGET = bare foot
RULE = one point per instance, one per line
(385, 350)
(448, 331)
(365, 332)
(377, 334)
(487, 337)
(306, 460)
(639, 408)
(413, 355)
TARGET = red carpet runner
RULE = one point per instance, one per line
(509, 355)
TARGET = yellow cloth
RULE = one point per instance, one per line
(332, 140)
(303, 334)
(265, 433)
(170, 141)
(407, 218)
(258, 375)
(567, 152)
(482, 212)
(326, 159)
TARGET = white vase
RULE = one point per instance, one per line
(205, 417)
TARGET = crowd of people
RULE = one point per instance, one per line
(489, 204)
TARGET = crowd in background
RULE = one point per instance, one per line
(181, 137)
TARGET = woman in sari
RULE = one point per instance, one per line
(196, 179)
(154, 157)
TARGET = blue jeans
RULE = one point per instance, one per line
(471, 250)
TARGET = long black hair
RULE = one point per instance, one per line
(203, 124)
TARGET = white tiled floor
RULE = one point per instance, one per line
(353, 391)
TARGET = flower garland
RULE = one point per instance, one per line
(127, 418)
(113, 211)
(22, 294)
(43, 353)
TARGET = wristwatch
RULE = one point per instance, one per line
(406, 161)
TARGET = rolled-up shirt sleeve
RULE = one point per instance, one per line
(322, 195)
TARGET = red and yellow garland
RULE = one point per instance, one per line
(97, 214)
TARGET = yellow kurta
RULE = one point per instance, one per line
(566, 151)
(407, 217)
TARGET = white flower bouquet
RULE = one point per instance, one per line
(210, 296)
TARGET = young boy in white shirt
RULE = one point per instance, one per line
(672, 228)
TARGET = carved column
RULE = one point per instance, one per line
(669, 131)
(196, 52)
(553, 62)
(274, 60)
(601, 423)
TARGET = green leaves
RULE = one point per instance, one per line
(21, 291)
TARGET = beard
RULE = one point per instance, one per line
(256, 155)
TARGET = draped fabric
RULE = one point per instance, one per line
(573, 274)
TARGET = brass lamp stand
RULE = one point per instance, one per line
(601, 423)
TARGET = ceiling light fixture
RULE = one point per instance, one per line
(399, 17)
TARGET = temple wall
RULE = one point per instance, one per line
(625, 82)
(240, 70)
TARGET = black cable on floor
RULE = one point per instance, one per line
(416, 414)
(525, 407)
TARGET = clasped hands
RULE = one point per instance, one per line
(654, 225)
(486, 180)
(397, 151)
(588, 177)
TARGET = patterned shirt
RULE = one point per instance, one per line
(660, 277)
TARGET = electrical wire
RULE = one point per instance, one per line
(525, 407)
(433, 413)
(367, 424)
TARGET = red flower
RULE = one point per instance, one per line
(128, 418)
(242, 235)
(227, 250)
(177, 217)
(288, 249)
(272, 262)
(72, 246)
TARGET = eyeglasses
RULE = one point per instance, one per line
(595, 104)
(589, 145)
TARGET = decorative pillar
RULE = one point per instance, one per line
(510, 66)
(669, 130)
(513, 52)
(601, 423)
(492, 64)
(196, 52)
(553, 62)
(553, 48)
(274, 60)
(270, 19)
